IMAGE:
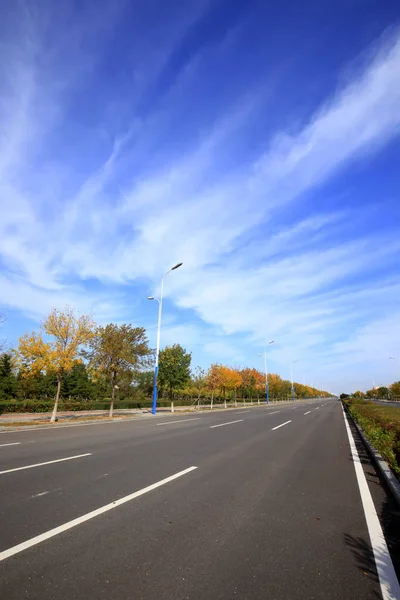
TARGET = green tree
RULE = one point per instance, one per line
(383, 392)
(174, 369)
(8, 381)
(77, 383)
(115, 352)
(144, 381)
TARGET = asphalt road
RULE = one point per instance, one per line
(271, 510)
(395, 404)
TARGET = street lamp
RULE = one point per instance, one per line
(266, 372)
(159, 300)
(291, 376)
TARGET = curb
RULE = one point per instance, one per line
(390, 478)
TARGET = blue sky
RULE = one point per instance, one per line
(257, 142)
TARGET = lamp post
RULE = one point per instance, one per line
(291, 377)
(159, 300)
(266, 372)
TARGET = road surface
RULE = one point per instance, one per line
(250, 503)
(395, 404)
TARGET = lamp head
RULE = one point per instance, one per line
(176, 266)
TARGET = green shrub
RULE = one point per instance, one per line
(39, 406)
(381, 425)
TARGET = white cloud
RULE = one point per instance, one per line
(249, 268)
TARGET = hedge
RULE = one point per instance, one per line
(381, 425)
(46, 405)
(39, 406)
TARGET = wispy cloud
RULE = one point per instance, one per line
(265, 254)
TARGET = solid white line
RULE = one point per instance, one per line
(94, 513)
(274, 413)
(41, 494)
(230, 423)
(282, 424)
(49, 462)
(11, 444)
(390, 587)
(180, 421)
(307, 413)
(317, 408)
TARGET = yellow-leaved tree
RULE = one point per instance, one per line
(68, 333)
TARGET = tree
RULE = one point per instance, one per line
(254, 381)
(395, 390)
(383, 392)
(77, 383)
(174, 368)
(57, 356)
(115, 351)
(8, 381)
(144, 382)
(344, 396)
(200, 381)
(249, 381)
(358, 394)
(229, 379)
(213, 379)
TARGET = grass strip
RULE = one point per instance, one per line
(381, 426)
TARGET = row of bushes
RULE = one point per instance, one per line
(39, 406)
(381, 425)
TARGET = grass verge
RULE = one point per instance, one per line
(381, 426)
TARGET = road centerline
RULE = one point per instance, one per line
(274, 413)
(49, 462)
(223, 424)
(10, 444)
(180, 421)
(281, 425)
(91, 515)
(308, 412)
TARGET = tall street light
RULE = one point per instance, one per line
(291, 376)
(159, 300)
(266, 372)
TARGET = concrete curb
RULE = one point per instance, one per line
(390, 478)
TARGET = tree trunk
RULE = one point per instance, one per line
(112, 402)
(172, 406)
(235, 399)
(224, 402)
(244, 400)
(258, 399)
(212, 399)
(54, 414)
